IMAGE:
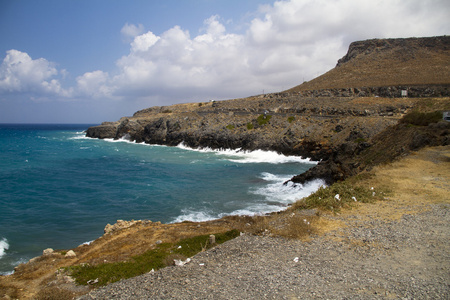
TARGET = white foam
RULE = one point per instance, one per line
(256, 156)
(87, 243)
(276, 191)
(276, 196)
(3, 246)
(194, 216)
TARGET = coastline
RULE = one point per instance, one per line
(395, 248)
(430, 189)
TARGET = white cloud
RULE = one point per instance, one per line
(131, 30)
(144, 42)
(19, 73)
(288, 42)
(94, 84)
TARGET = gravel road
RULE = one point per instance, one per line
(372, 259)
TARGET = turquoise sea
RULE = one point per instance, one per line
(59, 189)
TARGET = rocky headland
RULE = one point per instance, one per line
(331, 118)
(383, 101)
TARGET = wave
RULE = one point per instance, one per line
(276, 191)
(234, 155)
(255, 156)
(276, 196)
(3, 246)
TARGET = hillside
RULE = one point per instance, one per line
(388, 62)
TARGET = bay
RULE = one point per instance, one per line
(59, 189)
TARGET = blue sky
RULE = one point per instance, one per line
(88, 61)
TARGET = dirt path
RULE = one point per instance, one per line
(394, 249)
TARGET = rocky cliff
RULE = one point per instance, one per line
(321, 123)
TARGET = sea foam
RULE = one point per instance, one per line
(255, 156)
(3, 246)
(276, 196)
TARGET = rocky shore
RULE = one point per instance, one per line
(395, 249)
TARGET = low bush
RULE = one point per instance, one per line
(421, 119)
(263, 119)
(341, 194)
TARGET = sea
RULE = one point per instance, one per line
(58, 188)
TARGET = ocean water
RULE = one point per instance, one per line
(59, 189)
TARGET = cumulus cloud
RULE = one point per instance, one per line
(287, 42)
(19, 73)
(94, 84)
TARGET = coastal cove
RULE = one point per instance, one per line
(59, 189)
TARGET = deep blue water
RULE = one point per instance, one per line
(59, 189)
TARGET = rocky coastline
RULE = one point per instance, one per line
(331, 119)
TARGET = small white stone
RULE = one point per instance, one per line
(70, 253)
(47, 251)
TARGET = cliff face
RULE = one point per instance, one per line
(339, 112)
(404, 49)
(293, 125)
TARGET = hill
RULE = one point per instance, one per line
(388, 62)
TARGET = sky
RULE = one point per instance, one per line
(89, 61)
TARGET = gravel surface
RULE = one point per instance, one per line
(376, 259)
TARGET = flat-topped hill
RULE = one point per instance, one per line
(388, 62)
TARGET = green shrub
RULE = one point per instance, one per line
(326, 197)
(250, 126)
(291, 119)
(152, 259)
(421, 119)
(263, 120)
(230, 127)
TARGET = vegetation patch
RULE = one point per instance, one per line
(250, 126)
(263, 119)
(230, 126)
(291, 119)
(421, 118)
(342, 194)
(155, 259)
